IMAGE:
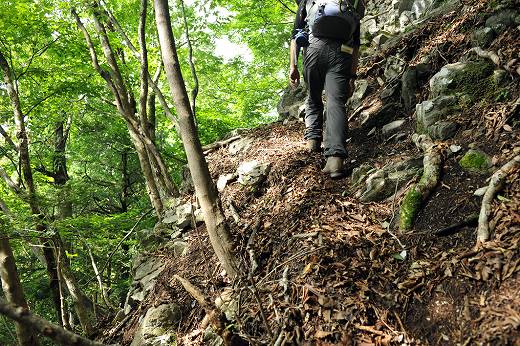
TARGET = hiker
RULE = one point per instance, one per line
(328, 30)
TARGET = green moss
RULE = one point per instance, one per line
(475, 161)
(475, 82)
(409, 207)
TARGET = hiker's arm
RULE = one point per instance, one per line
(294, 74)
(299, 23)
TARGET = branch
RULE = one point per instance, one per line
(286, 7)
(195, 90)
(143, 97)
(158, 92)
(8, 138)
(495, 184)
(10, 183)
(35, 54)
(46, 328)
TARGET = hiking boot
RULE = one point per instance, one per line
(314, 145)
(334, 167)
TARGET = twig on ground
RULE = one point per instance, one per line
(495, 184)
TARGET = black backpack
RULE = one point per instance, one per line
(336, 19)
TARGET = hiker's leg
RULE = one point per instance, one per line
(336, 86)
(315, 77)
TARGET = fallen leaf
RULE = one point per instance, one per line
(321, 334)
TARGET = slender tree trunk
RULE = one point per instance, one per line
(158, 180)
(13, 290)
(204, 187)
(25, 164)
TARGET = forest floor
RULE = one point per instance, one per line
(331, 270)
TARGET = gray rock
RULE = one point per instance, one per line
(483, 37)
(252, 172)
(360, 91)
(227, 303)
(421, 7)
(211, 338)
(384, 182)
(145, 272)
(389, 92)
(223, 180)
(393, 127)
(179, 247)
(380, 39)
(359, 173)
(409, 88)
(240, 145)
(431, 111)
(443, 130)
(442, 81)
(455, 148)
(502, 20)
(290, 102)
(394, 67)
(181, 216)
(465, 79)
(158, 327)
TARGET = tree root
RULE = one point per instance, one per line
(217, 145)
(486, 55)
(215, 317)
(495, 184)
(418, 193)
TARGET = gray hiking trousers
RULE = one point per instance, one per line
(327, 67)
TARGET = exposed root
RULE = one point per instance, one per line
(495, 184)
(213, 315)
(216, 145)
(486, 55)
(418, 193)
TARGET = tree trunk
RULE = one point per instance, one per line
(158, 180)
(13, 290)
(204, 187)
(25, 164)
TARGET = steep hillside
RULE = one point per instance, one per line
(387, 256)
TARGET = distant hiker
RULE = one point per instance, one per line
(328, 30)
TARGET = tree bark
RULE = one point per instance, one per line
(159, 183)
(25, 164)
(204, 187)
(13, 290)
(46, 328)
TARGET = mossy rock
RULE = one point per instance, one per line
(476, 161)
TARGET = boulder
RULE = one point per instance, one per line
(383, 183)
(502, 20)
(421, 7)
(145, 271)
(252, 172)
(360, 91)
(290, 102)
(393, 127)
(462, 78)
(483, 37)
(394, 67)
(432, 117)
(223, 181)
(409, 88)
(181, 216)
(240, 145)
(158, 327)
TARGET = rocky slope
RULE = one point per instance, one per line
(389, 255)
